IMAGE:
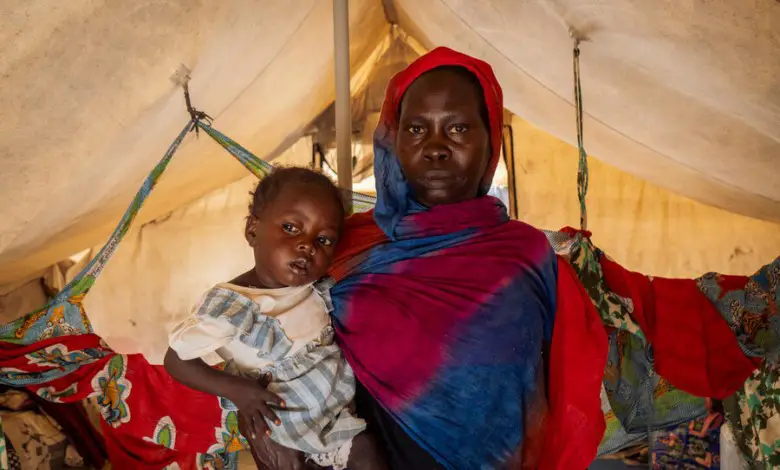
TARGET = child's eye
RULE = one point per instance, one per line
(324, 241)
(290, 228)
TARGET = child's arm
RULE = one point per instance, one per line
(250, 396)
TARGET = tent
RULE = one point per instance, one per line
(681, 121)
(680, 102)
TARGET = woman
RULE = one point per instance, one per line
(444, 307)
(447, 310)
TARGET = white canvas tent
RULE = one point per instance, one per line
(681, 106)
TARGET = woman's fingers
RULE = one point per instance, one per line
(258, 425)
(260, 404)
(266, 411)
(265, 379)
(267, 395)
(270, 397)
(244, 425)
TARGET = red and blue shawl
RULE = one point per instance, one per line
(444, 313)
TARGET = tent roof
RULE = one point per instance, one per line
(683, 94)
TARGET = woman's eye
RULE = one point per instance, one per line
(324, 241)
(415, 129)
(459, 128)
(290, 228)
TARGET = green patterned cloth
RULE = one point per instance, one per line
(752, 313)
(636, 399)
(3, 451)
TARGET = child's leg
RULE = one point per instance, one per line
(268, 454)
(365, 454)
(359, 454)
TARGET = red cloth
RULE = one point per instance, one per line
(578, 357)
(135, 396)
(694, 348)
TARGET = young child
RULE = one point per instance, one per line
(271, 322)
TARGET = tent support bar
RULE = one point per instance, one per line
(343, 97)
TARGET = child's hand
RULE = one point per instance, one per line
(252, 399)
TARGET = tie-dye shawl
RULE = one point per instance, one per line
(444, 313)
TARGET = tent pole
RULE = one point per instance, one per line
(343, 97)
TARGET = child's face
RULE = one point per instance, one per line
(295, 236)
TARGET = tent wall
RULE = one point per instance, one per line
(89, 108)
(644, 227)
(23, 299)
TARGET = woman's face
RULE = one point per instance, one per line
(443, 142)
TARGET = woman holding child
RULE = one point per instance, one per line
(452, 337)
(473, 344)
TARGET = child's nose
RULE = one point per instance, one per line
(306, 246)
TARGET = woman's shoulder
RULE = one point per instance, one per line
(360, 234)
(528, 233)
(362, 226)
(532, 243)
(360, 219)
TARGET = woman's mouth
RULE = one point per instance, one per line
(437, 179)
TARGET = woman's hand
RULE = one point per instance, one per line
(252, 399)
(249, 395)
(267, 453)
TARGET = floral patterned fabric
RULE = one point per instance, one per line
(53, 353)
(690, 446)
(752, 313)
(140, 424)
(3, 449)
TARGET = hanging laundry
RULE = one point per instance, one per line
(690, 446)
(752, 310)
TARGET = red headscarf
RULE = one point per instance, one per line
(394, 200)
(445, 57)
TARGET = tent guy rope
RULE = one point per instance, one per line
(582, 170)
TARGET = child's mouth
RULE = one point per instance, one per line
(299, 266)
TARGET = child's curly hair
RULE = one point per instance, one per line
(269, 187)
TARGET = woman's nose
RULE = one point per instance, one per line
(436, 152)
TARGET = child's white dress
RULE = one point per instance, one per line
(286, 332)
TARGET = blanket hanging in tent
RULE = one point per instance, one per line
(753, 314)
(54, 353)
